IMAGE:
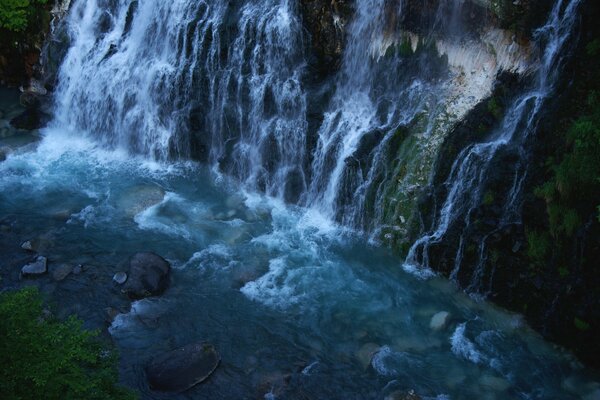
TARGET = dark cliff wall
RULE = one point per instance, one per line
(20, 49)
(326, 23)
(545, 266)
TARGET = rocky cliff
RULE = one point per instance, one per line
(488, 47)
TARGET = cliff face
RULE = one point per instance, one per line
(326, 23)
(487, 47)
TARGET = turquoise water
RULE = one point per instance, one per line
(298, 307)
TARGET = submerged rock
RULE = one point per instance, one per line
(61, 272)
(179, 370)
(439, 321)
(365, 354)
(120, 278)
(27, 246)
(78, 269)
(148, 276)
(400, 395)
(38, 267)
(110, 313)
(494, 383)
(139, 198)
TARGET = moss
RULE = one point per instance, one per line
(494, 108)
(488, 198)
(581, 325)
(538, 245)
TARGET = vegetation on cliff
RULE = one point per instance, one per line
(43, 358)
(572, 191)
(18, 15)
(23, 27)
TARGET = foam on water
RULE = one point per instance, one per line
(463, 347)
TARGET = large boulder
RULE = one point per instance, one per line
(36, 268)
(30, 119)
(180, 369)
(148, 276)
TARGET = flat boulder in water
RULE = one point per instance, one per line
(439, 321)
(148, 276)
(60, 272)
(138, 198)
(179, 370)
(38, 267)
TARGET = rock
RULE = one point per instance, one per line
(326, 21)
(400, 395)
(179, 370)
(30, 119)
(366, 353)
(120, 278)
(40, 244)
(38, 267)
(139, 198)
(494, 383)
(61, 272)
(148, 276)
(27, 246)
(30, 99)
(595, 395)
(4, 153)
(110, 314)
(235, 201)
(439, 321)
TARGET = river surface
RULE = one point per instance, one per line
(298, 307)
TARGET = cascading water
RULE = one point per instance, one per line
(181, 79)
(467, 179)
(226, 84)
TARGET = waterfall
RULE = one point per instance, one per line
(229, 84)
(213, 80)
(467, 177)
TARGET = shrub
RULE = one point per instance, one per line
(43, 358)
(538, 245)
(15, 15)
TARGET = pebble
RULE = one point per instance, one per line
(61, 272)
(120, 278)
(439, 321)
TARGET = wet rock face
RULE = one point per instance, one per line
(326, 22)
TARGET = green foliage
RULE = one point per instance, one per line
(538, 245)
(581, 325)
(488, 198)
(593, 48)
(577, 176)
(494, 108)
(47, 359)
(16, 15)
